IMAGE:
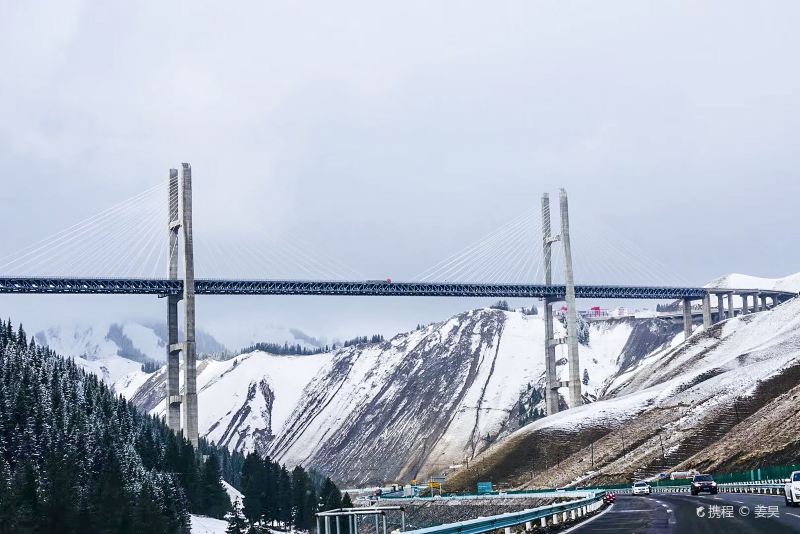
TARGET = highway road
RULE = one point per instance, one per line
(666, 513)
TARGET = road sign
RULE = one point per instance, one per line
(485, 487)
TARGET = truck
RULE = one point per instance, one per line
(791, 490)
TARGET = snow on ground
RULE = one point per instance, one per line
(744, 281)
(233, 493)
(208, 525)
(130, 383)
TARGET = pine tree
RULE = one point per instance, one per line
(214, 499)
(346, 501)
(252, 487)
(236, 522)
(330, 498)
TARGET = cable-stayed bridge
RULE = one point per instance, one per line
(130, 236)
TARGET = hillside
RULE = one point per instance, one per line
(701, 403)
(426, 400)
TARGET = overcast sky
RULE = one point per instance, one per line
(389, 136)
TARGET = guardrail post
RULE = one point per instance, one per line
(528, 526)
(543, 522)
(555, 519)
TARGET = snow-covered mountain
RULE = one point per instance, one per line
(243, 401)
(115, 351)
(405, 407)
(429, 399)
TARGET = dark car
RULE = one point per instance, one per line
(701, 483)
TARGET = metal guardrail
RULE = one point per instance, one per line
(557, 513)
(729, 487)
(547, 494)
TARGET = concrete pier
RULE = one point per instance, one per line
(687, 318)
(173, 399)
(731, 312)
(551, 386)
(189, 348)
(574, 364)
(720, 307)
(707, 311)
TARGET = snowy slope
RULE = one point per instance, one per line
(744, 281)
(243, 401)
(207, 525)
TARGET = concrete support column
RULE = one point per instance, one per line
(757, 302)
(720, 307)
(687, 318)
(731, 312)
(543, 522)
(551, 388)
(776, 300)
(763, 302)
(189, 348)
(173, 399)
(555, 519)
(573, 360)
(745, 309)
(707, 311)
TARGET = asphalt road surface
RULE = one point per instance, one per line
(681, 513)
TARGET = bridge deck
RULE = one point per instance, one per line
(145, 286)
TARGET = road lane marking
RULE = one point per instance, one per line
(795, 515)
(633, 511)
(584, 523)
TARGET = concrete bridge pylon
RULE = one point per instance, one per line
(571, 340)
(180, 196)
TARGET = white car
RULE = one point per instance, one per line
(792, 490)
(641, 488)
